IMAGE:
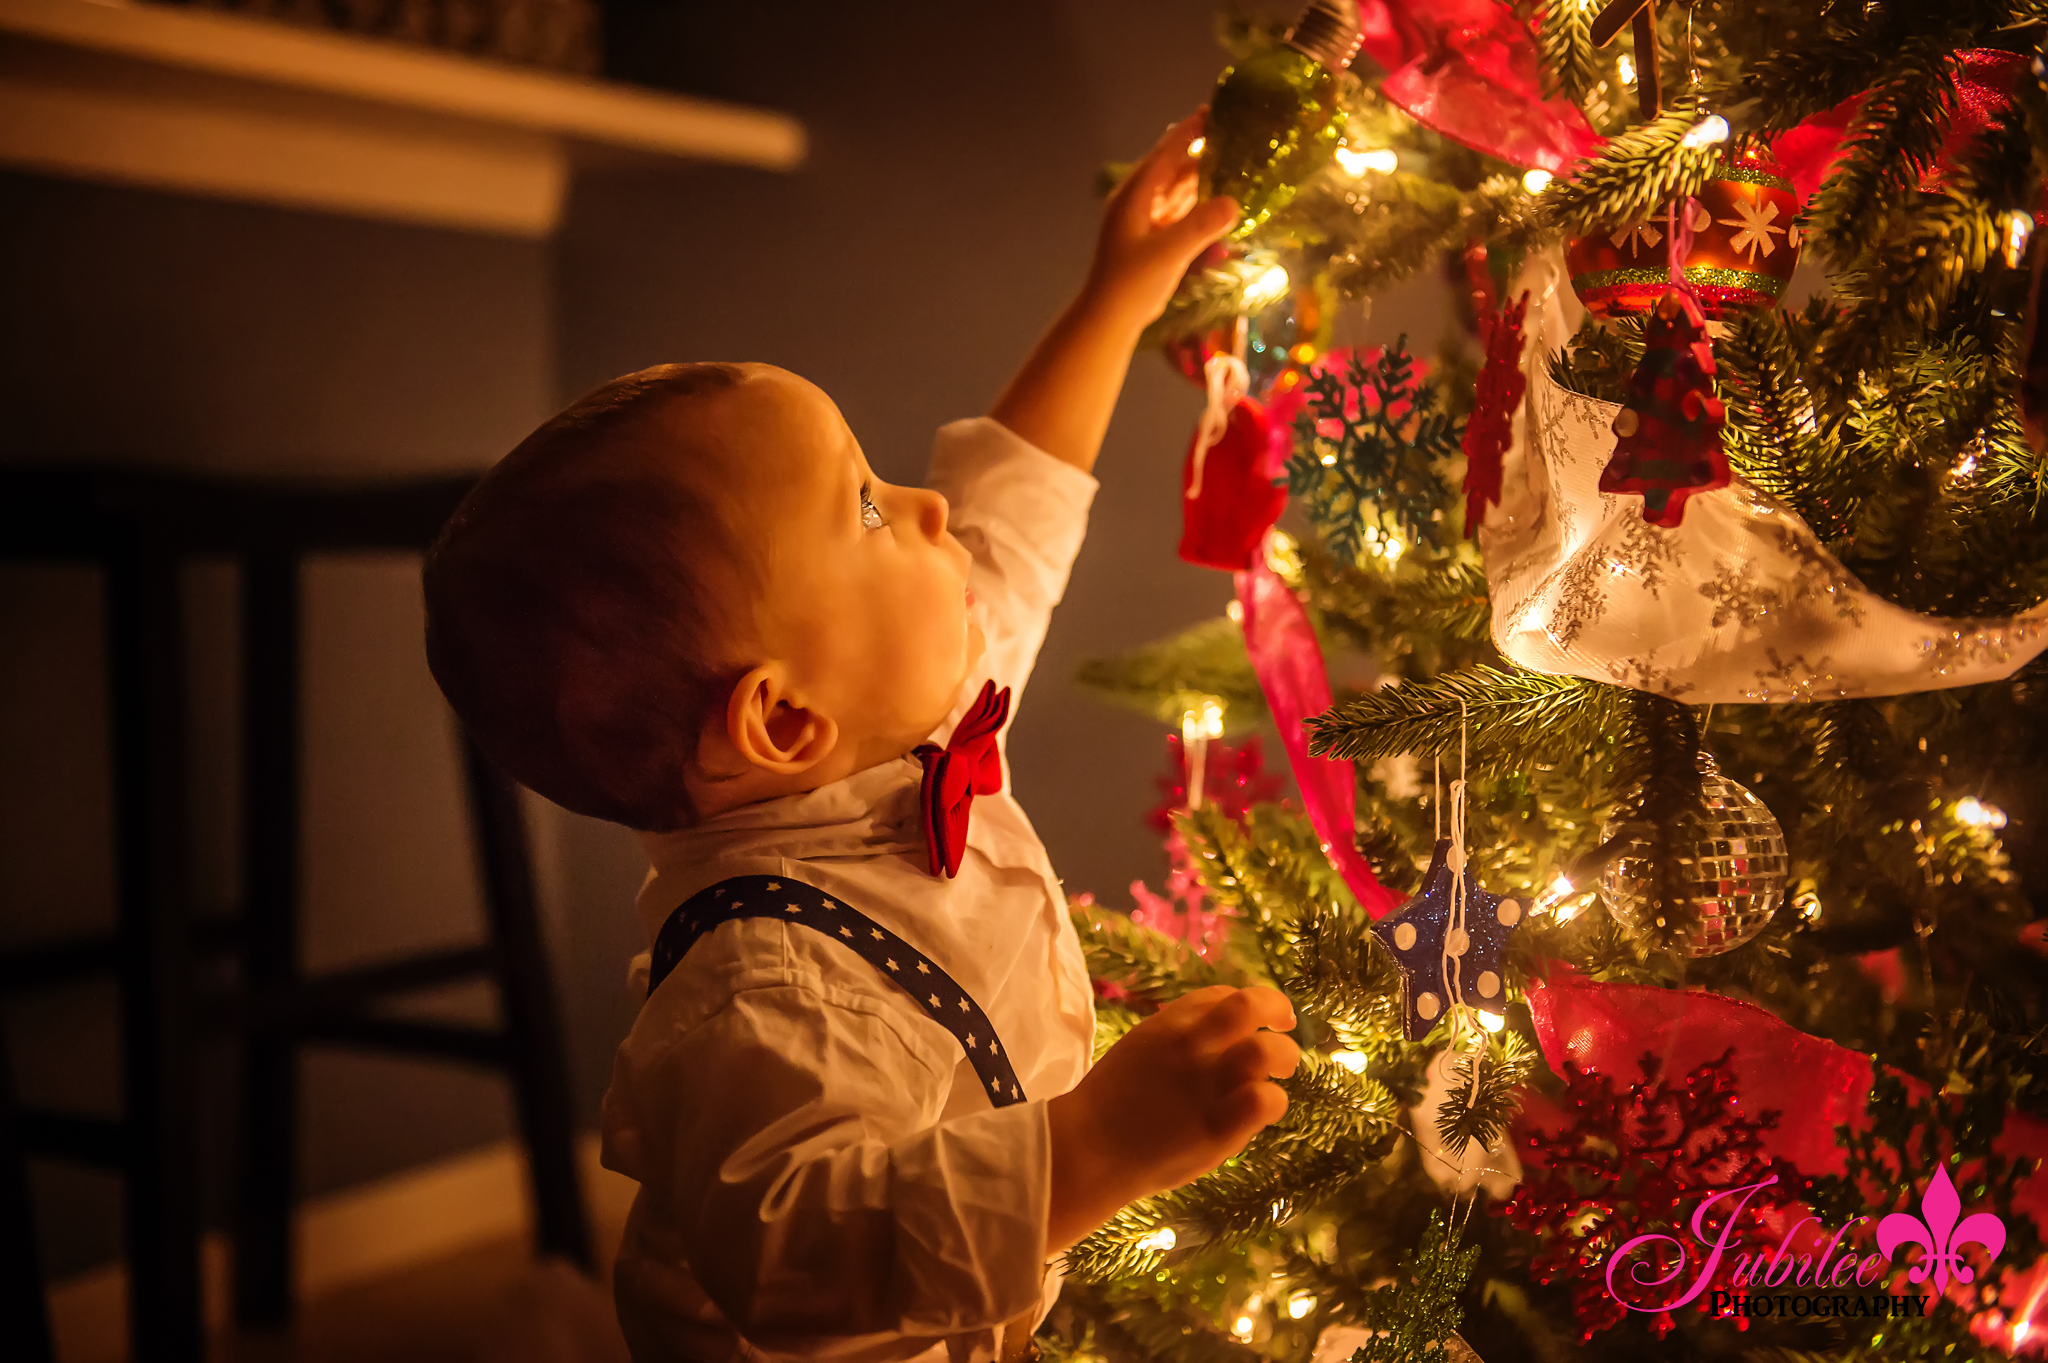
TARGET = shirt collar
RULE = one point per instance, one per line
(870, 813)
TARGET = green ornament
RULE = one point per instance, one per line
(1275, 120)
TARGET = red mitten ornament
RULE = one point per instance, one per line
(1495, 399)
(1229, 498)
(1670, 427)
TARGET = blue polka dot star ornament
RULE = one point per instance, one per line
(1436, 956)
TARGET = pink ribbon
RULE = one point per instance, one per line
(1289, 664)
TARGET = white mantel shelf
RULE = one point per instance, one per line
(206, 103)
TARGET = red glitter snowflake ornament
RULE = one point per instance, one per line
(1633, 1163)
(1670, 427)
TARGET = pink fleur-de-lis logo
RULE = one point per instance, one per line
(1939, 1234)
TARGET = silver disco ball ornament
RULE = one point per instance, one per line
(1731, 861)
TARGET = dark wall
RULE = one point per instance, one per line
(153, 329)
(946, 212)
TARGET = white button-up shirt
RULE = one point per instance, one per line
(821, 1174)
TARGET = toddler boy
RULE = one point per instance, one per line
(858, 1100)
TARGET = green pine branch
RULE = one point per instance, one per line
(1571, 66)
(1479, 1116)
(1149, 965)
(1168, 677)
(1635, 174)
(1510, 718)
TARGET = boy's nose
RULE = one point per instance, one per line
(931, 512)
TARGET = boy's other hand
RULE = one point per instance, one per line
(1178, 1095)
(1153, 227)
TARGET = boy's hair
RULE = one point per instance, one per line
(568, 620)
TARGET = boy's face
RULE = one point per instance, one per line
(865, 597)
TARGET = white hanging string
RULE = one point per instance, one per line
(1456, 938)
(1228, 383)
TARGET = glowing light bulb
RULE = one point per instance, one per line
(2020, 1330)
(1393, 549)
(1492, 1022)
(2019, 227)
(1328, 459)
(1160, 1240)
(1196, 147)
(1234, 611)
(1349, 1060)
(1977, 814)
(1626, 65)
(1710, 131)
(1212, 719)
(1300, 1305)
(1266, 288)
(1243, 1329)
(1356, 162)
(1536, 181)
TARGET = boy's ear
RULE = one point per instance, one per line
(770, 730)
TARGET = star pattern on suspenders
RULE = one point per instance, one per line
(944, 1001)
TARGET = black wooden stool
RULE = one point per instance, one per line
(138, 529)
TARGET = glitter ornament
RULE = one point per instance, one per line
(1732, 863)
(1420, 934)
(1743, 247)
(1275, 118)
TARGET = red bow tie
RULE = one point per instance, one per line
(953, 775)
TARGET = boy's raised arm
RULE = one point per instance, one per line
(1152, 229)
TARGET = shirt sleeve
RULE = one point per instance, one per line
(794, 1143)
(1022, 514)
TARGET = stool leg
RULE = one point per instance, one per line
(147, 684)
(540, 1073)
(24, 1310)
(267, 1168)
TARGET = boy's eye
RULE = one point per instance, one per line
(871, 517)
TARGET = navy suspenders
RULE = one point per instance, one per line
(792, 901)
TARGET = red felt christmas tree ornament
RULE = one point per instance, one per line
(1669, 430)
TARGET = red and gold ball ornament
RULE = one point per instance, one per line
(1745, 246)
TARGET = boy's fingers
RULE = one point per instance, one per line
(1243, 1112)
(1244, 1011)
(1205, 222)
(1262, 1055)
(1191, 1006)
(1168, 158)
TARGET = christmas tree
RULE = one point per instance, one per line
(1656, 663)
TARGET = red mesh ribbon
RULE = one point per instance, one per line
(1470, 70)
(1983, 77)
(1289, 664)
(1813, 1084)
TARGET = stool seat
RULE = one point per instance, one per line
(138, 527)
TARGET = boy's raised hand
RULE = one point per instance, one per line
(1153, 227)
(1181, 1093)
(1152, 230)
